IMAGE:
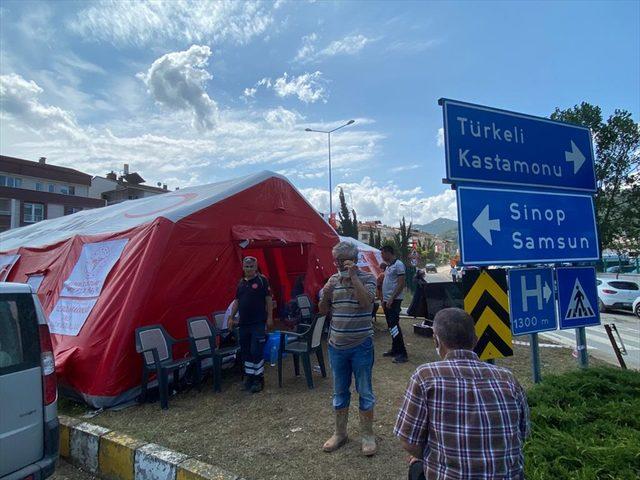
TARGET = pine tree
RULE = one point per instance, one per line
(343, 215)
(348, 226)
(354, 225)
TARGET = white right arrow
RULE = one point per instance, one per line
(484, 225)
(547, 292)
(575, 156)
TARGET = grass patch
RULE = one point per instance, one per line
(585, 425)
(278, 434)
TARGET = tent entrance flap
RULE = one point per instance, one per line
(271, 235)
(285, 267)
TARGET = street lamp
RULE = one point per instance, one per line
(329, 144)
(411, 205)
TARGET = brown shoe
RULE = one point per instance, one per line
(369, 446)
(339, 438)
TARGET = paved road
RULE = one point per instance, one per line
(66, 471)
(598, 343)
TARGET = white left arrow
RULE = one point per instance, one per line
(484, 225)
(575, 156)
(547, 292)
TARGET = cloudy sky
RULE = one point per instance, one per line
(196, 92)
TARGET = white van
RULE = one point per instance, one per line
(28, 390)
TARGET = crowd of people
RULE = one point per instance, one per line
(461, 418)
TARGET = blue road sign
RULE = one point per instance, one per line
(532, 302)
(577, 297)
(518, 226)
(487, 145)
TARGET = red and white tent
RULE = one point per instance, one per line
(102, 273)
(369, 258)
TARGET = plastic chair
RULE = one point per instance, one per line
(306, 311)
(203, 343)
(303, 345)
(156, 347)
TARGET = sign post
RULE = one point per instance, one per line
(535, 358)
(524, 187)
(532, 307)
(488, 145)
(581, 346)
(578, 304)
(519, 227)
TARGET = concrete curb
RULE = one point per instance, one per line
(114, 456)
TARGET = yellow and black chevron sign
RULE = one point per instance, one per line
(486, 300)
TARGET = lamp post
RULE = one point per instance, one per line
(329, 145)
(411, 205)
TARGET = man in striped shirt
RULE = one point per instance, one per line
(462, 418)
(349, 296)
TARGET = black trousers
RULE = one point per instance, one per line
(252, 340)
(392, 314)
(416, 471)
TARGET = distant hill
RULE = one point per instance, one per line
(450, 235)
(438, 226)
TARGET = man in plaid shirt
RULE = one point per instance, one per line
(466, 419)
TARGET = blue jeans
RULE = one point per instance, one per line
(359, 362)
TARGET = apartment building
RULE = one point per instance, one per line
(34, 191)
(128, 186)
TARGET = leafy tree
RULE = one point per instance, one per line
(401, 240)
(374, 238)
(348, 226)
(354, 224)
(402, 247)
(617, 150)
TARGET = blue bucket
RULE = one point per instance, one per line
(271, 347)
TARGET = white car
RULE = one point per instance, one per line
(636, 307)
(616, 294)
(29, 429)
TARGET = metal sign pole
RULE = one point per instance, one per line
(581, 342)
(535, 358)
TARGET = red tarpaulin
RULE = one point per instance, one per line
(182, 258)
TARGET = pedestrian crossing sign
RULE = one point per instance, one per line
(577, 297)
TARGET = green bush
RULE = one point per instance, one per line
(585, 425)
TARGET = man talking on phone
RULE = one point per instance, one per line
(349, 296)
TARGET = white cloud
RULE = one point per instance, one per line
(349, 45)
(148, 23)
(440, 137)
(249, 92)
(241, 142)
(307, 87)
(265, 82)
(404, 168)
(177, 81)
(281, 117)
(307, 50)
(411, 47)
(381, 201)
(19, 102)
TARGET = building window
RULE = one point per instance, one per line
(10, 181)
(71, 210)
(33, 212)
(72, 190)
(64, 191)
(5, 206)
(52, 188)
(39, 187)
